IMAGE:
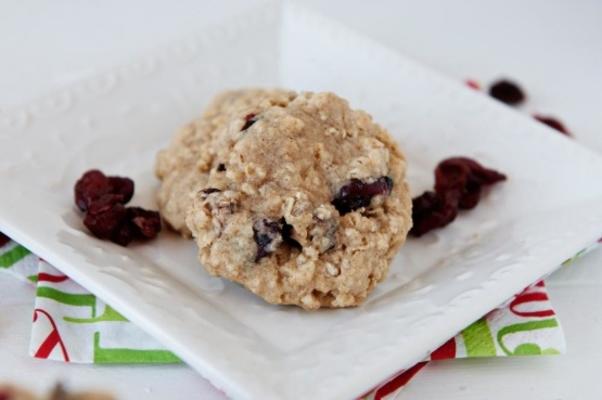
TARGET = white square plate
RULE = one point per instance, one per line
(547, 210)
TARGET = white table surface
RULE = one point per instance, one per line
(553, 47)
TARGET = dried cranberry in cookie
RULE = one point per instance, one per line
(311, 208)
(359, 193)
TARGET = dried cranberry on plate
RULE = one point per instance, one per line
(94, 184)
(103, 200)
(458, 185)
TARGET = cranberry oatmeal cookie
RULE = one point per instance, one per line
(311, 206)
(182, 167)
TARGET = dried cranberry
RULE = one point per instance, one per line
(122, 186)
(103, 220)
(3, 239)
(126, 234)
(147, 223)
(458, 185)
(470, 196)
(471, 83)
(250, 119)
(103, 199)
(94, 184)
(357, 193)
(91, 186)
(268, 236)
(433, 210)
(105, 203)
(5, 395)
(552, 123)
(507, 92)
(463, 174)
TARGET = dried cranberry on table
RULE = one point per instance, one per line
(552, 123)
(458, 185)
(103, 200)
(507, 92)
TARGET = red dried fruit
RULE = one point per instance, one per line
(357, 193)
(458, 185)
(103, 199)
(94, 184)
(471, 195)
(147, 223)
(5, 395)
(105, 220)
(122, 186)
(3, 239)
(433, 210)
(552, 123)
(125, 234)
(507, 92)
(91, 186)
(458, 173)
(105, 203)
(473, 84)
(250, 119)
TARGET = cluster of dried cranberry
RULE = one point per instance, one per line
(103, 199)
(458, 185)
(510, 93)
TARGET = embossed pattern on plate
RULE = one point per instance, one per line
(548, 210)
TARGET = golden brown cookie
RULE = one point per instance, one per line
(310, 205)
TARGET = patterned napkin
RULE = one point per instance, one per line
(71, 324)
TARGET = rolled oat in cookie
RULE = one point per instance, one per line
(311, 205)
(183, 167)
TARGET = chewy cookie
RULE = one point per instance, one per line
(310, 205)
(183, 167)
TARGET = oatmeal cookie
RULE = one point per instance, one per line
(311, 206)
